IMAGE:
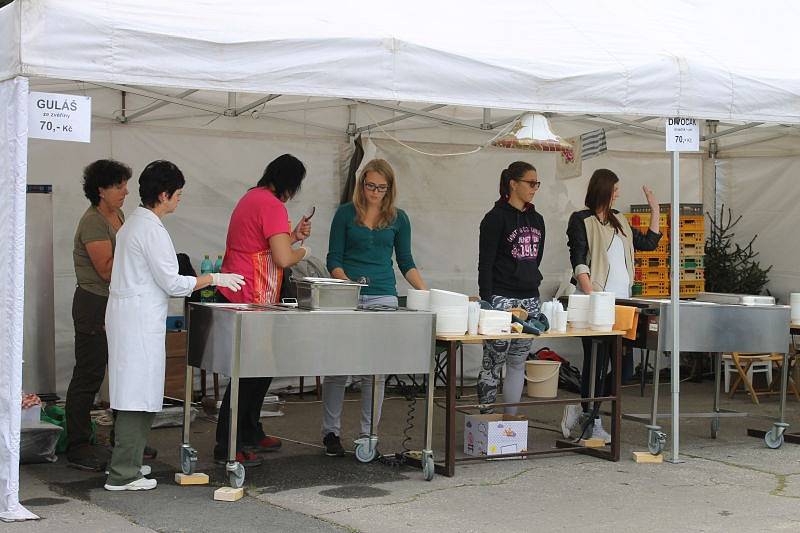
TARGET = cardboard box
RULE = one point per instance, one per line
(495, 434)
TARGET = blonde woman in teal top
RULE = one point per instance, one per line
(364, 235)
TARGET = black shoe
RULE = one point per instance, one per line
(333, 445)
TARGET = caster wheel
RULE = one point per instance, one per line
(714, 427)
(365, 453)
(656, 441)
(774, 438)
(428, 469)
(235, 475)
(188, 460)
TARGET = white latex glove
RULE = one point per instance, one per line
(307, 251)
(233, 282)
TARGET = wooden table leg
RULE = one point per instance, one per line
(616, 408)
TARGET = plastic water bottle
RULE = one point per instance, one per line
(206, 293)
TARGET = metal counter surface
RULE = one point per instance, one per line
(711, 327)
(281, 342)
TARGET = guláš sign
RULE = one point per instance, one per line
(59, 117)
(683, 135)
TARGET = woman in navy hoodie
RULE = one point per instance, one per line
(511, 248)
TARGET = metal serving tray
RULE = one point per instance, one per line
(332, 295)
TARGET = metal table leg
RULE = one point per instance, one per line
(717, 358)
(428, 468)
(188, 454)
(235, 469)
(655, 437)
(450, 418)
(367, 448)
(774, 437)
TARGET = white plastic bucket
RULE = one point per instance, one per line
(542, 378)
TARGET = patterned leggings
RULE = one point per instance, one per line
(512, 353)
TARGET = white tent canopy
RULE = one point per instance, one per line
(620, 60)
(714, 60)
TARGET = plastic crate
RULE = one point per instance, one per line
(685, 209)
(693, 237)
(642, 220)
(661, 250)
(655, 288)
(693, 223)
(654, 261)
(651, 274)
(697, 274)
(637, 289)
(692, 249)
(691, 263)
(689, 289)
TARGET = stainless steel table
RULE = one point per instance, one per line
(247, 340)
(713, 328)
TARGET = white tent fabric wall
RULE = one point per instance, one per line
(767, 211)
(445, 197)
(13, 167)
(219, 169)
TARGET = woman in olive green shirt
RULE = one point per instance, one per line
(364, 235)
(105, 184)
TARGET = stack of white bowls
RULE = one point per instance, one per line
(794, 302)
(602, 312)
(452, 311)
(578, 311)
(418, 300)
(494, 322)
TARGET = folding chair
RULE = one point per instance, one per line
(743, 362)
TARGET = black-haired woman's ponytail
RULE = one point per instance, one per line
(515, 171)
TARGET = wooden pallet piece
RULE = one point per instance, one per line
(647, 458)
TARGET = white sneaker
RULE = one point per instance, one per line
(139, 484)
(599, 433)
(143, 470)
(569, 419)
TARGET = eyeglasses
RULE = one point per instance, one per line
(533, 184)
(375, 187)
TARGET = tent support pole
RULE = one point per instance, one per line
(156, 105)
(252, 105)
(395, 119)
(421, 113)
(675, 292)
(163, 97)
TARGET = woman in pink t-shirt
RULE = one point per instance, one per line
(259, 246)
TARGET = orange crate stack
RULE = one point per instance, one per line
(652, 270)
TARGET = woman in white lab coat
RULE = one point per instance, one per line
(144, 276)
